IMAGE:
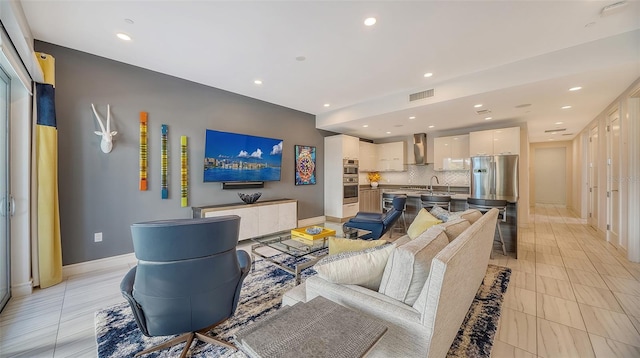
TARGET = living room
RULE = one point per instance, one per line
(99, 192)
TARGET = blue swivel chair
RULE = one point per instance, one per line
(187, 280)
(378, 223)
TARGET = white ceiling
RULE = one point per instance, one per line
(498, 53)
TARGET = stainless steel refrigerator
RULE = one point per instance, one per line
(494, 175)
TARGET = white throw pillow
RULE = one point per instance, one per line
(408, 266)
(363, 268)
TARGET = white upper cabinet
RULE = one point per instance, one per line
(481, 143)
(368, 157)
(451, 153)
(350, 147)
(392, 156)
(506, 141)
(495, 141)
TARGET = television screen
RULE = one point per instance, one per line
(232, 157)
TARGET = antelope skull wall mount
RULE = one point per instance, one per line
(107, 135)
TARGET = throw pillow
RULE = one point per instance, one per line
(455, 227)
(338, 245)
(408, 266)
(363, 268)
(421, 223)
(443, 215)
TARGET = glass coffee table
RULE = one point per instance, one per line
(303, 254)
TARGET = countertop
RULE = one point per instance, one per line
(416, 193)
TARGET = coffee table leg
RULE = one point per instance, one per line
(297, 274)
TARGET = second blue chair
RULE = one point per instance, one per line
(378, 223)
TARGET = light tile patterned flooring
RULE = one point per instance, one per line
(571, 295)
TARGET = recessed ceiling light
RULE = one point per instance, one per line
(477, 106)
(370, 21)
(550, 139)
(577, 88)
(524, 105)
(431, 126)
(488, 118)
(365, 125)
(300, 58)
(123, 36)
(327, 104)
(128, 21)
(428, 74)
(388, 132)
(554, 132)
(412, 117)
(558, 123)
(566, 107)
(258, 82)
(398, 125)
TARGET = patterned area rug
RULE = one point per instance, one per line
(118, 336)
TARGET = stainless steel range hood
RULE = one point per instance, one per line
(420, 148)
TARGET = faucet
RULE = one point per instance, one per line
(431, 183)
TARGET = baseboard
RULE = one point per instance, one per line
(311, 221)
(22, 289)
(100, 264)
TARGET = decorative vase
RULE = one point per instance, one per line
(374, 184)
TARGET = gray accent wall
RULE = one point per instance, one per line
(99, 192)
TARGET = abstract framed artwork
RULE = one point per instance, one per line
(305, 164)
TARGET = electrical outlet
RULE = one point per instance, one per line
(97, 237)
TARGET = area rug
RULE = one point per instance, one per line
(117, 334)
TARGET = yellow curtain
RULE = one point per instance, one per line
(48, 216)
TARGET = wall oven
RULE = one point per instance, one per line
(350, 167)
(350, 192)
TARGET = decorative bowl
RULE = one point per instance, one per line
(313, 230)
(249, 198)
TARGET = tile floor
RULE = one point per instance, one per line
(571, 295)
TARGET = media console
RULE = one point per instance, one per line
(257, 219)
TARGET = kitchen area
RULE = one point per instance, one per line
(481, 165)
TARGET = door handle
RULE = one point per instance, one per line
(12, 204)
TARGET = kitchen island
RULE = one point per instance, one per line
(459, 203)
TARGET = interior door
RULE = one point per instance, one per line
(613, 178)
(5, 201)
(593, 177)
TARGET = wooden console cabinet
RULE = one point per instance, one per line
(258, 219)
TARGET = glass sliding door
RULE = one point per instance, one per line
(5, 199)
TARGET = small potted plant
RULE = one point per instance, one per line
(374, 178)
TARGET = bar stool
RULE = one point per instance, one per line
(484, 205)
(429, 201)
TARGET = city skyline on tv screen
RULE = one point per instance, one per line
(232, 157)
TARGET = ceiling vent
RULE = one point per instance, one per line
(483, 112)
(421, 95)
(555, 130)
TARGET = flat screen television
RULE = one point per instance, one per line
(233, 157)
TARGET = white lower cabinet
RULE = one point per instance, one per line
(262, 218)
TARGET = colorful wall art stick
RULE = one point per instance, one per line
(184, 174)
(165, 163)
(143, 151)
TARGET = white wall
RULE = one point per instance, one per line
(550, 176)
(629, 240)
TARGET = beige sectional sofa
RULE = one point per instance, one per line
(422, 310)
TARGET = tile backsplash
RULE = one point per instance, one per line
(420, 175)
